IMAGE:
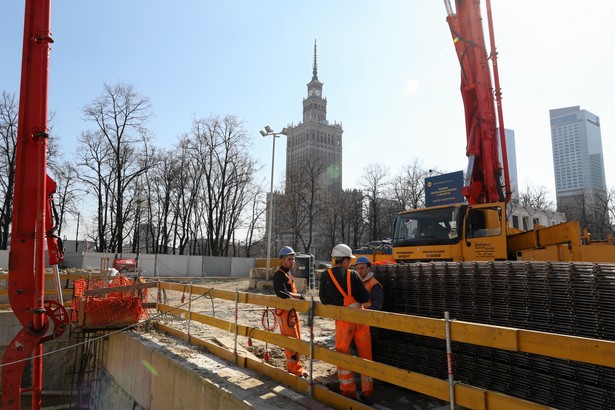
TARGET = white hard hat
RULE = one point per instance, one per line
(342, 251)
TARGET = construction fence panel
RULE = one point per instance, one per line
(172, 266)
(4, 259)
(195, 266)
(217, 266)
(240, 267)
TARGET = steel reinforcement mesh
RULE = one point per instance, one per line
(567, 298)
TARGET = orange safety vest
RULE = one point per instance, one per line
(369, 285)
(293, 288)
(348, 299)
(345, 333)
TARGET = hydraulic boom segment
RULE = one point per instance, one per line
(32, 221)
(479, 230)
(487, 181)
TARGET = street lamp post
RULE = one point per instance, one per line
(138, 203)
(266, 132)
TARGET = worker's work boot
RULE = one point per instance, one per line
(367, 398)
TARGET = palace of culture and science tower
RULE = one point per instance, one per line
(313, 176)
(315, 138)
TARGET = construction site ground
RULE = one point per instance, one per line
(386, 396)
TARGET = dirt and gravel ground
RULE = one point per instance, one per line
(387, 396)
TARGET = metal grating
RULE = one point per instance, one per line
(567, 298)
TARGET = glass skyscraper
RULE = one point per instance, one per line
(580, 184)
(577, 151)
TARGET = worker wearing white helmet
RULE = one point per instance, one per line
(342, 286)
(284, 287)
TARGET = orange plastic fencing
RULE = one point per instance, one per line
(113, 309)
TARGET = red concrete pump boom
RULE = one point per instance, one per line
(33, 221)
(487, 178)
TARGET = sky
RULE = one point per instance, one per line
(390, 72)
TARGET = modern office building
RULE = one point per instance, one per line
(511, 154)
(578, 162)
(315, 143)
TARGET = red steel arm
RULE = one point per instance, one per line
(483, 178)
(31, 216)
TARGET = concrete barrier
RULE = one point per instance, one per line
(140, 371)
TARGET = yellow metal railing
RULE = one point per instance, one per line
(592, 351)
(565, 347)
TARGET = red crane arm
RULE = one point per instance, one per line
(32, 222)
(484, 176)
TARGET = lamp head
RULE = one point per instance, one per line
(268, 129)
(263, 133)
(284, 131)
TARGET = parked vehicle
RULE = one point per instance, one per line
(125, 265)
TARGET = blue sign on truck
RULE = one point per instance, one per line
(444, 189)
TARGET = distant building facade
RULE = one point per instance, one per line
(313, 178)
(511, 153)
(578, 163)
(527, 217)
(315, 140)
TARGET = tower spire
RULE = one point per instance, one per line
(315, 69)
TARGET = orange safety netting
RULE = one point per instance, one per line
(111, 309)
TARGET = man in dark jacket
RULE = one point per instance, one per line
(343, 287)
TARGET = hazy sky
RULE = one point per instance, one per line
(389, 69)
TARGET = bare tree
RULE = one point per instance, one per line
(187, 195)
(343, 219)
(408, 188)
(610, 200)
(68, 193)
(8, 140)
(301, 210)
(254, 215)
(92, 160)
(220, 147)
(590, 209)
(162, 183)
(120, 114)
(375, 185)
(536, 197)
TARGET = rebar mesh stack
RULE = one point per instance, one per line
(568, 298)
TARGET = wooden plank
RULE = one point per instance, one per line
(585, 350)
(120, 289)
(468, 396)
(65, 291)
(67, 276)
(581, 349)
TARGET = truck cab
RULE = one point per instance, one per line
(457, 232)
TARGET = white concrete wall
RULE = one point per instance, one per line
(161, 265)
(4, 259)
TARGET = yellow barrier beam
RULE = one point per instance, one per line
(467, 396)
(586, 350)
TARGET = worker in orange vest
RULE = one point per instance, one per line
(376, 293)
(284, 287)
(342, 286)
